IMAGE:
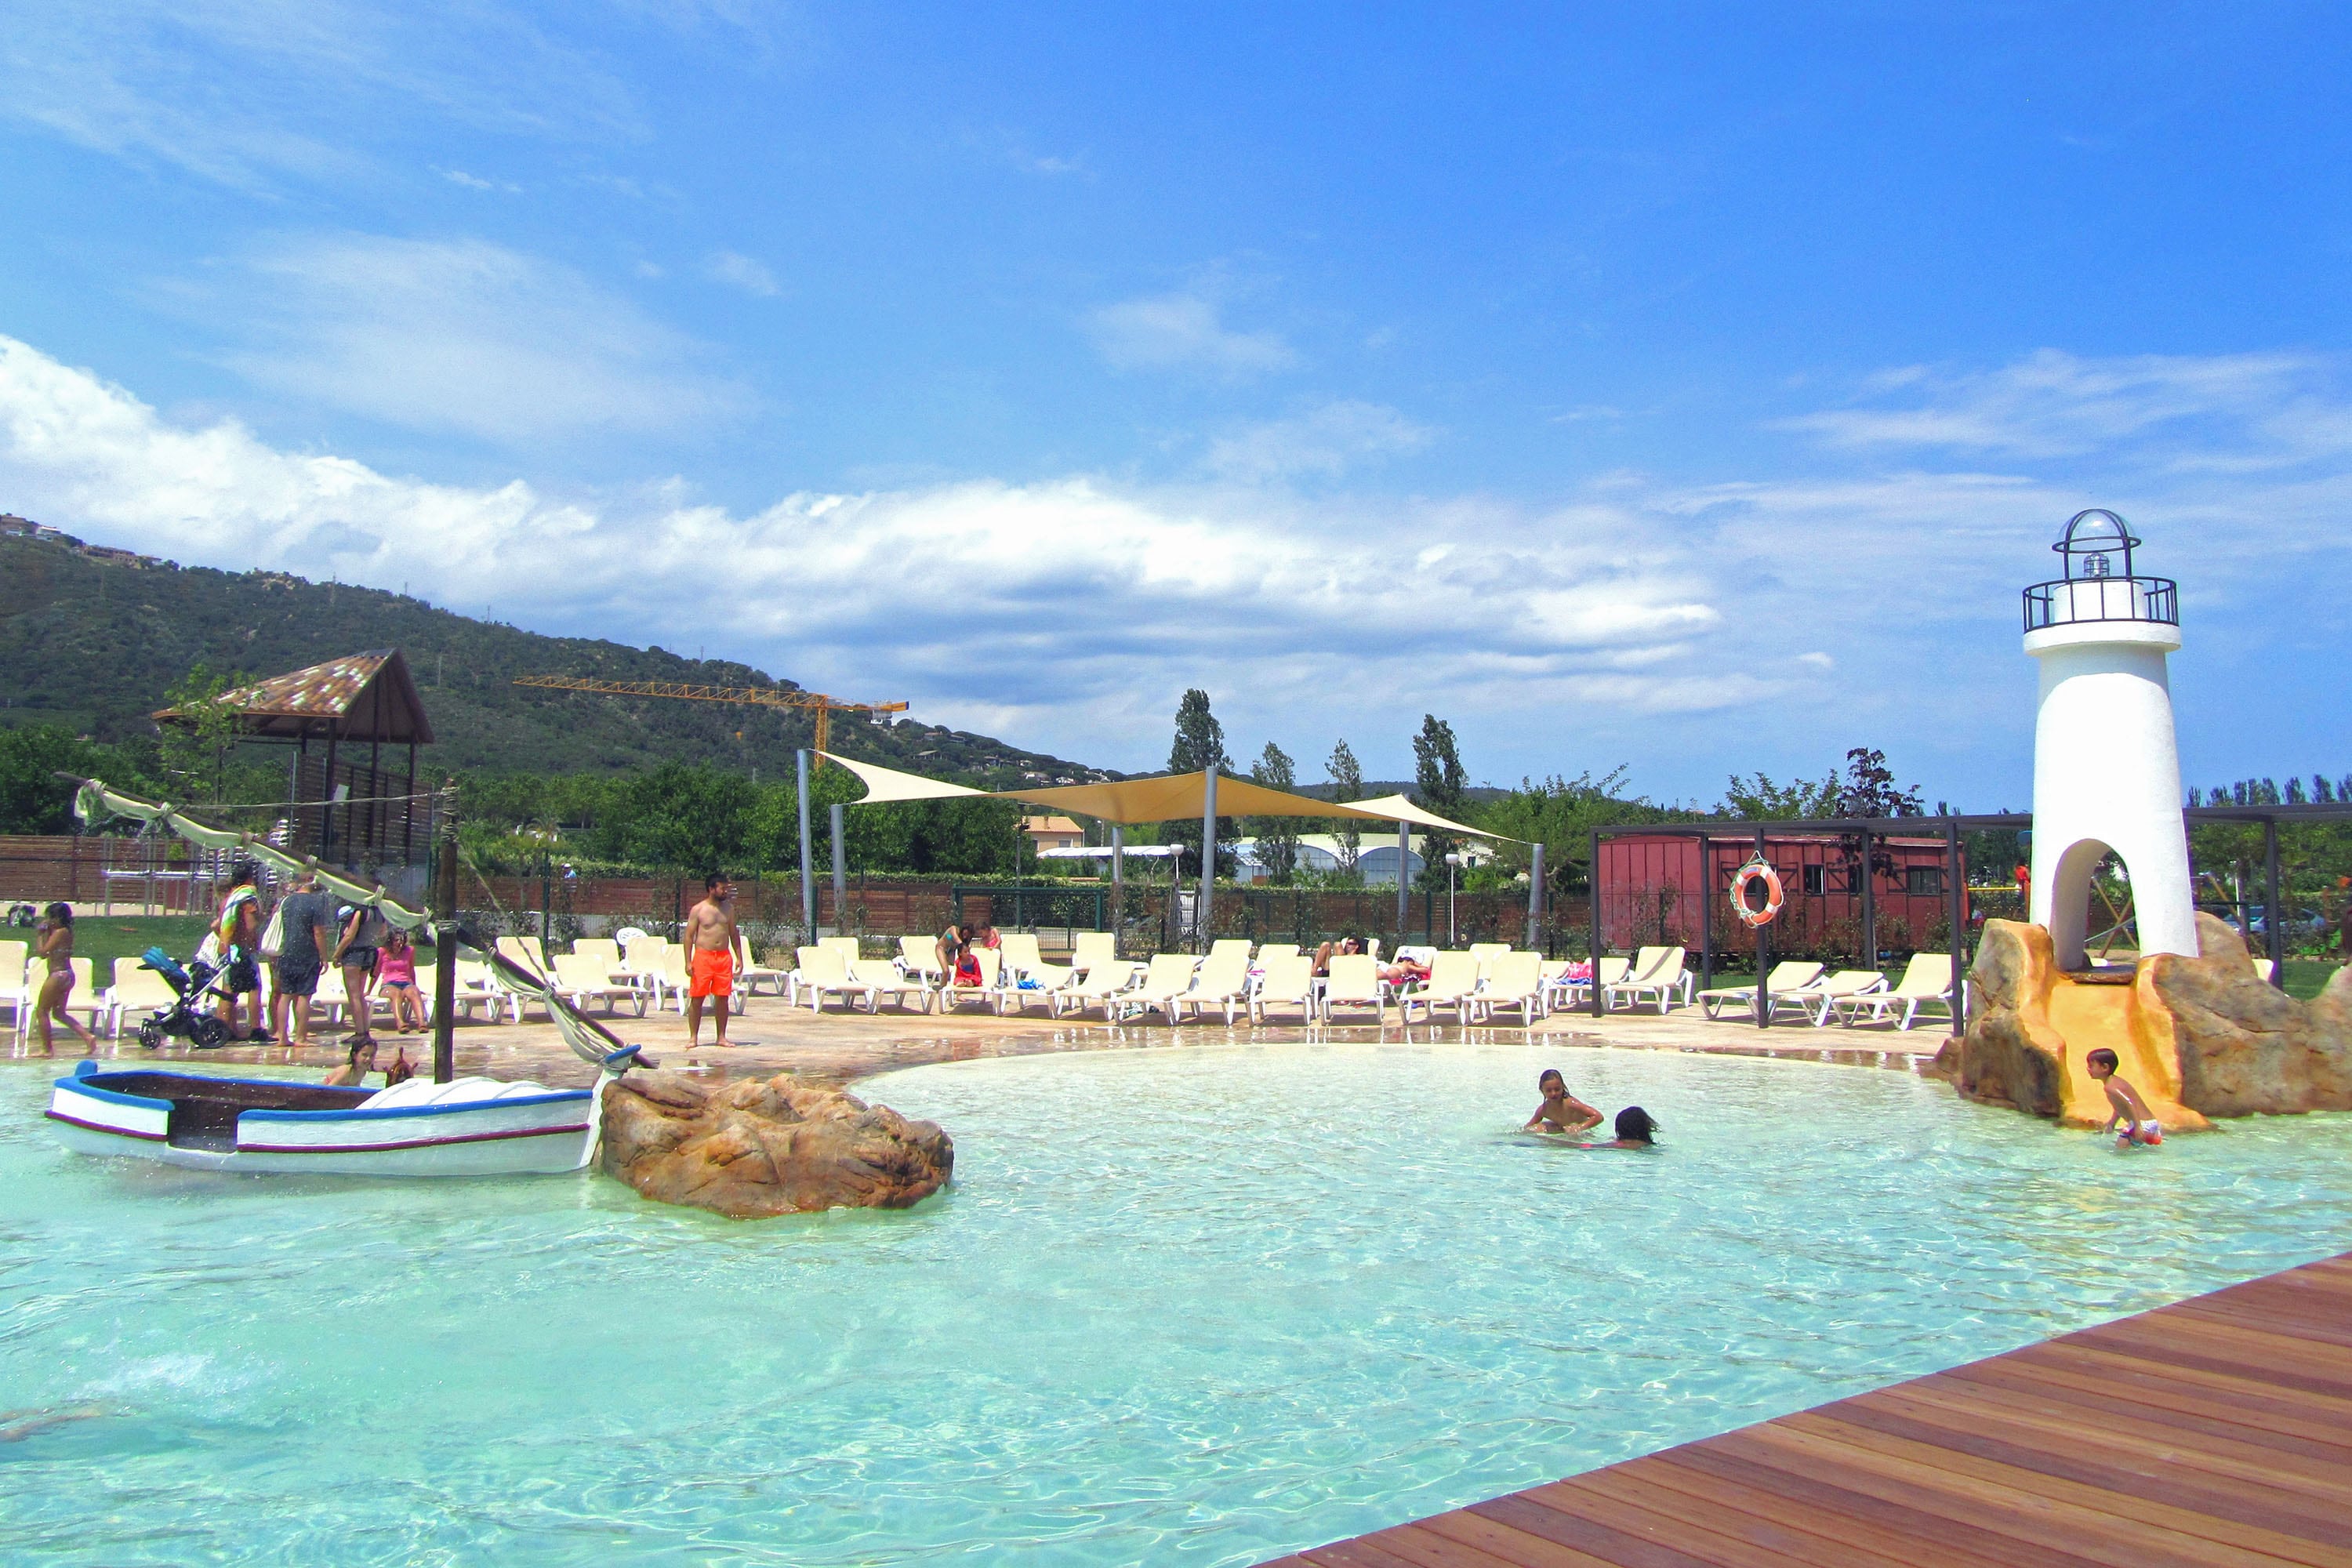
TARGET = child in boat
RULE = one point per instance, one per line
(57, 940)
(2131, 1123)
(1635, 1130)
(396, 978)
(353, 1073)
(1560, 1110)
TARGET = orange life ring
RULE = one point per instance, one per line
(1773, 894)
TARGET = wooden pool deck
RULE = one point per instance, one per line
(2214, 1433)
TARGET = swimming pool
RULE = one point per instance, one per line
(1195, 1305)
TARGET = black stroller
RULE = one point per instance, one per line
(189, 1018)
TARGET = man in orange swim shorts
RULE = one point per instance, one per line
(714, 955)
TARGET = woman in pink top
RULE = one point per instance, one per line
(396, 976)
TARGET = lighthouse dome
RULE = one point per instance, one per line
(2099, 584)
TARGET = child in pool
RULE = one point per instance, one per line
(2131, 1123)
(1634, 1130)
(1560, 1110)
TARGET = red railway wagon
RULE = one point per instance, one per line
(1653, 884)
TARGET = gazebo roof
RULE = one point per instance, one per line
(359, 697)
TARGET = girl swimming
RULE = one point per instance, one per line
(1560, 1110)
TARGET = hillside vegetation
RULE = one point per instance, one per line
(93, 643)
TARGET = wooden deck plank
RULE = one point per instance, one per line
(2215, 1432)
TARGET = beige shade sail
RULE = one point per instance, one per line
(884, 785)
(1401, 808)
(1169, 797)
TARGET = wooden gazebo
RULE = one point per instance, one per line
(350, 808)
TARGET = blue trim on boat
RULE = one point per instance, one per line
(388, 1111)
(197, 1078)
(80, 1083)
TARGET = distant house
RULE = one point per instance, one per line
(1052, 832)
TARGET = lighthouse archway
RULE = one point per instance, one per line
(2091, 913)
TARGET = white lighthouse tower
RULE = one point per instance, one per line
(2106, 768)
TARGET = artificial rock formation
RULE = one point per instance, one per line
(2197, 1036)
(2246, 1046)
(757, 1147)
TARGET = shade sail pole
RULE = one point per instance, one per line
(1404, 853)
(840, 868)
(1208, 857)
(1535, 892)
(1117, 881)
(808, 882)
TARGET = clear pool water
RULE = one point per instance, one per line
(1192, 1305)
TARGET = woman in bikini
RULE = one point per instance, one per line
(56, 947)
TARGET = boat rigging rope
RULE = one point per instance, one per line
(588, 1040)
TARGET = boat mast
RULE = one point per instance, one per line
(445, 938)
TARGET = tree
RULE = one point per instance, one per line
(1199, 743)
(1762, 799)
(33, 799)
(1437, 786)
(197, 742)
(683, 817)
(1346, 783)
(1278, 837)
(1870, 789)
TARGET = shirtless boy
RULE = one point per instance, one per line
(1560, 1110)
(2132, 1122)
(714, 955)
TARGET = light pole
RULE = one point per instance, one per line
(1452, 861)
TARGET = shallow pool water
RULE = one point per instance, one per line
(1198, 1305)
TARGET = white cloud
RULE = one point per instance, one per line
(460, 335)
(1184, 332)
(1074, 610)
(1327, 439)
(2052, 404)
(740, 271)
(248, 92)
(1638, 619)
(475, 182)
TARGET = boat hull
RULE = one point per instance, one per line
(200, 1122)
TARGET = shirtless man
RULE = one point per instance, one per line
(714, 955)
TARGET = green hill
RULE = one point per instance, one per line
(91, 638)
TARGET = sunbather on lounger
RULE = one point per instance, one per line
(1560, 1110)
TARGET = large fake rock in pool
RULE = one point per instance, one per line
(2032, 1024)
(2197, 1037)
(756, 1147)
(2246, 1046)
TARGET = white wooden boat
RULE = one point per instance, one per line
(472, 1127)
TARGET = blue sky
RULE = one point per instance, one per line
(1686, 387)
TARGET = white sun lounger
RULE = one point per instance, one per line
(1101, 986)
(1818, 998)
(1355, 982)
(1165, 983)
(1514, 979)
(585, 979)
(1223, 981)
(1926, 983)
(1453, 982)
(1656, 971)
(1789, 975)
(1288, 982)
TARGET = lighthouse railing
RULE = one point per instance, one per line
(2082, 599)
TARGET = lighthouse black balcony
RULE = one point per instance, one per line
(2095, 544)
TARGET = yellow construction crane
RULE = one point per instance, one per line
(757, 696)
